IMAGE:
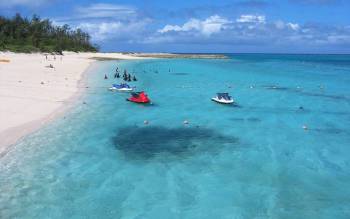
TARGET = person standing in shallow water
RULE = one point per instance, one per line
(106, 77)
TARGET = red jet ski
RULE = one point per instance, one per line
(139, 97)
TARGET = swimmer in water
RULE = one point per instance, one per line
(134, 78)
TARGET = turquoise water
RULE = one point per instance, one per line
(252, 160)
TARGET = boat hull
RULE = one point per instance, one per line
(121, 89)
(137, 101)
(222, 101)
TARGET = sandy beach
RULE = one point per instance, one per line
(33, 93)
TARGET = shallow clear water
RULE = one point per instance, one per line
(252, 160)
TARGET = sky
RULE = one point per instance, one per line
(221, 26)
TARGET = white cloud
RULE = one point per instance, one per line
(293, 26)
(207, 27)
(249, 30)
(249, 18)
(108, 21)
(101, 10)
(100, 31)
(281, 25)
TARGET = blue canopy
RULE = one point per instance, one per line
(123, 85)
(224, 96)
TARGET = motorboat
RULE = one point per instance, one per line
(121, 87)
(224, 98)
(139, 97)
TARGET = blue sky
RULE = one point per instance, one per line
(274, 26)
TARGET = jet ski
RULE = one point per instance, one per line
(139, 97)
(121, 87)
(224, 98)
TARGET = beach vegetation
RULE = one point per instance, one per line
(20, 34)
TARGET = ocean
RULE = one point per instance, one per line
(254, 159)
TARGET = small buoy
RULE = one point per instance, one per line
(305, 127)
(42, 82)
(186, 122)
(145, 122)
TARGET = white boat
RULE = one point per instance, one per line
(121, 87)
(224, 98)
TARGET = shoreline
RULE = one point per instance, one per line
(179, 55)
(24, 130)
(12, 130)
(27, 112)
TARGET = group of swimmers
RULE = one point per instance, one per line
(126, 76)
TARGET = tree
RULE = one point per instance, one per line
(21, 34)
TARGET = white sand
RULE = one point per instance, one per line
(32, 94)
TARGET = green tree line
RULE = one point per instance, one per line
(20, 34)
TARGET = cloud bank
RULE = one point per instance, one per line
(251, 29)
(114, 24)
